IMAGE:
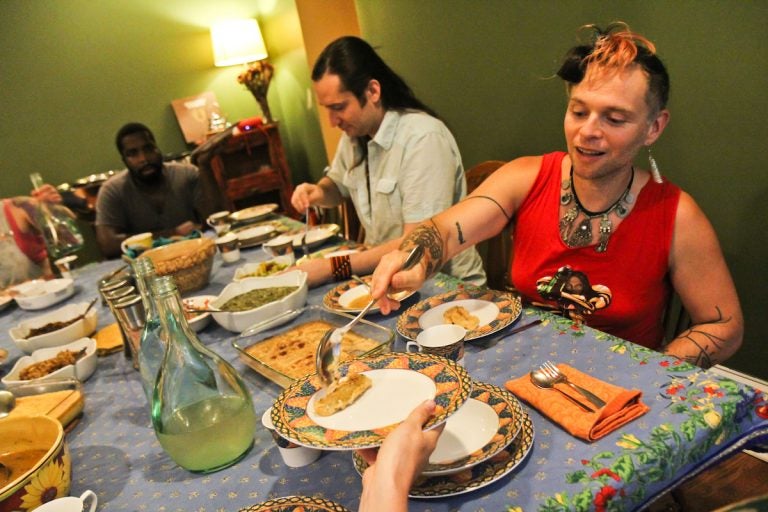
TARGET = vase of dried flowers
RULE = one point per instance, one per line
(256, 79)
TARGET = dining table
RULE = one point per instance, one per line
(696, 418)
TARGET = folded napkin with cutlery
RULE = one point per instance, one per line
(622, 405)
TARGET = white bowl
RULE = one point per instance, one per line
(201, 321)
(39, 294)
(242, 273)
(240, 321)
(74, 331)
(81, 370)
(254, 235)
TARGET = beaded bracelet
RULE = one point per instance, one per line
(341, 267)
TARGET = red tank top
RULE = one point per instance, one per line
(633, 268)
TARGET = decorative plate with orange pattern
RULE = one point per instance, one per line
(296, 504)
(400, 383)
(494, 310)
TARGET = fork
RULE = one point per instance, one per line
(557, 376)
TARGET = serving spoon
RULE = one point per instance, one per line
(329, 348)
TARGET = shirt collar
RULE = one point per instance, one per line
(385, 135)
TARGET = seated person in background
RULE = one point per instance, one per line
(150, 195)
(594, 236)
(394, 466)
(23, 255)
(397, 162)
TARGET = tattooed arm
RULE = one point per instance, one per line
(478, 217)
(701, 278)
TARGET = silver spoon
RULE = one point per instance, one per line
(541, 380)
(329, 348)
(7, 403)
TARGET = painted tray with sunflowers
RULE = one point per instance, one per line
(400, 382)
(493, 309)
(489, 421)
(477, 476)
(352, 297)
(296, 504)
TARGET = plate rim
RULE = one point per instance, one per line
(429, 489)
(516, 310)
(513, 430)
(328, 505)
(316, 436)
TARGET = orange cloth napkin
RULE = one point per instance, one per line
(622, 405)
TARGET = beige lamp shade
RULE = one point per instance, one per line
(237, 42)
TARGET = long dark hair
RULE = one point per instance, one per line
(356, 63)
(617, 47)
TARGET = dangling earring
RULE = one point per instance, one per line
(654, 167)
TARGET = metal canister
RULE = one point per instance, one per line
(110, 285)
(131, 316)
(113, 296)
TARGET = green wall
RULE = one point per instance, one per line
(484, 66)
(73, 71)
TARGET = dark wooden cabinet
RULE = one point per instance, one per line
(249, 165)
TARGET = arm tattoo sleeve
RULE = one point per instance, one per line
(707, 345)
(427, 236)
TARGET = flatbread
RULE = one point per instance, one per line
(460, 316)
(292, 353)
(342, 394)
(108, 340)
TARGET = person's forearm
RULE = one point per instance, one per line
(380, 497)
(707, 344)
(331, 195)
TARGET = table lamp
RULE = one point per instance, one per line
(240, 42)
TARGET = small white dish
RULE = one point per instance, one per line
(40, 294)
(249, 270)
(201, 320)
(81, 370)
(241, 320)
(467, 431)
(74, 331)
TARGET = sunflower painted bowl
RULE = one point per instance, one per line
(36, 467)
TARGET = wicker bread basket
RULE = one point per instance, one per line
(189, 262)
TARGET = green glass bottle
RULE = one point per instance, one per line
(202, 412)
(152, 345)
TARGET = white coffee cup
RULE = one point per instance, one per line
(444, 340)
(294, 455)
(71, 504)
(281, 245)
(229, 247)
(66, 265)
(219, 221)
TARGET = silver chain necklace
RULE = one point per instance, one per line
(581, 234)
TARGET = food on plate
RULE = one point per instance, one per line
(46, 366)
(51, 326)
(257, 298)
(266, 268)
(16, 463)
(292, 353)
(342, 393)
(460, 316)
(359, 302)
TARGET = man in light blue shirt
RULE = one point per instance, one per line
(397, 162)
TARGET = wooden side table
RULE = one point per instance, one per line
(250, 163)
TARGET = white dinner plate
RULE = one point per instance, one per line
(400, 383)
(350, 297)
(254, 213)
(316, 235)
(494, 309)
(256, 235)
(485, 425)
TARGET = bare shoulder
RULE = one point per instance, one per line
(511, 183)
(694, 236)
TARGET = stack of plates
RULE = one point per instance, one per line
(485, 440)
